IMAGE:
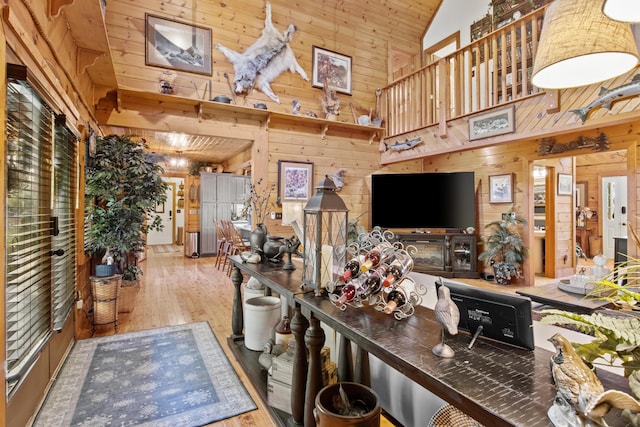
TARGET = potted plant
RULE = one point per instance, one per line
(504, 248)
(122, 187)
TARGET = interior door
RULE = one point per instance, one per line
(614, 211)
(166, 211)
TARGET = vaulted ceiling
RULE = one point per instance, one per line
(410, 18)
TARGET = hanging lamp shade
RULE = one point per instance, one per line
(622, 10)
(579, 46)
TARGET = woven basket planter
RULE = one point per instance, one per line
(127, 295)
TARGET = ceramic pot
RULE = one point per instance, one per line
(271, 248)
(258, 238)
(328, 406)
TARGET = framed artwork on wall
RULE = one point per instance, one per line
(491, 123)
(501, 188)
(332, 67)
(295, 181)
(581, 194)
(177, 46)
(565, 184)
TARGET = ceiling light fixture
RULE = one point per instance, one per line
(580, 46)
(622, 10)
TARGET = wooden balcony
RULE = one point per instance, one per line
(489, 72)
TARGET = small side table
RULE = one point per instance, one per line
(104, 292)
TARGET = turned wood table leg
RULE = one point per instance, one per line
(363, 370)
(299, 325)
(314, 339)
(237, 319)
(345, 360)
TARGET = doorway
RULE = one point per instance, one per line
(614, 212)
(172, 217)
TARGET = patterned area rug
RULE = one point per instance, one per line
(174, 376)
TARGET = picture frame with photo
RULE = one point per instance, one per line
(565, 184)
(501, 188)
(333, 67)
(177, 46)
(499, 121)
(295, 181)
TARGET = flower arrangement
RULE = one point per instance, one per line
(257, 202)
(583, 214)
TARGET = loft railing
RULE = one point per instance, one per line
(489, 72)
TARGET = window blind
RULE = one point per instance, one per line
(41, 185)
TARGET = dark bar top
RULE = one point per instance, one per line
(495, 383)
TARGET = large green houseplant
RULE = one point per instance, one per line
(123, 186)
(504, 248)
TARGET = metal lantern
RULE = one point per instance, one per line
(325, 237)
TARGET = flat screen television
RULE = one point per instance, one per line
(419, 201)
(501, 316)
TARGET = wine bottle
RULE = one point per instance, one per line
(351, 268)
(347, 294)
(381, 253)
(372, 282)
(399, 296)
(399, 268)
(395, 299)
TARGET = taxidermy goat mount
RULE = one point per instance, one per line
(607, 96)
(264, 60)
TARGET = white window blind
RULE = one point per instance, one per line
(39, 285)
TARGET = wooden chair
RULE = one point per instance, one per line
(238, 244)
(224, 243)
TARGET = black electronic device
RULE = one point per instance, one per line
(499, 316)
(397, 200)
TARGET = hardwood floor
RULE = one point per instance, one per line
(177, 290)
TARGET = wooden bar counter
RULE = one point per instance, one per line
(495, 383)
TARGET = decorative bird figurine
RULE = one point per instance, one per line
(338, 179)
(295, 106)
(448, 315)
(580, 388)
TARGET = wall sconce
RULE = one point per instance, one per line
(580, 46)
(622, 10)
(325, 237)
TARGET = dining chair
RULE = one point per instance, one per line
(238, 243)
(223, 243)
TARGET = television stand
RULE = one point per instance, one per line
(447, 253)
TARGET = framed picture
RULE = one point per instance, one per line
(492, 123)
(501, 188)
(159, 207)
(332, 67)
(177, 46)
(581, 194)
(565, 184)
(295, 181)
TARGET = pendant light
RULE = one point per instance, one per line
(580, 46)
(622, 10)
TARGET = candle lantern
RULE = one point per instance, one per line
(325, 237)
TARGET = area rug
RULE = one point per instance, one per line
(173, 376)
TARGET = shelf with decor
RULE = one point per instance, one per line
(206, 110)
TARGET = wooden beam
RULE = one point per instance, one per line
(55, 6)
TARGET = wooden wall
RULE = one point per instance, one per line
(365, 32)
(518, 159)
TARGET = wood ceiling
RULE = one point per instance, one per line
(412, 16)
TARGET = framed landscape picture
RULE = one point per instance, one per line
(501, 188)
(332, 67)
(495, 122)
(177, 46)
(565, 184)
